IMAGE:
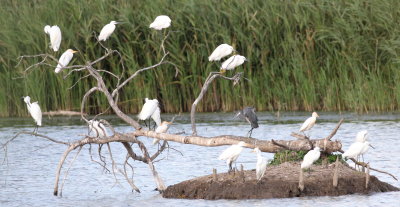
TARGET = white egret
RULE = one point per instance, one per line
(107, 30)
(309, 123)
(362, 136)
(310, 158)
(232, 62)
(354, 150)
(221, 51)
(34, 110)
(162, 129)
(55, 36)
(98, 128)
(249, 113)
(231, 154)
(64, 59)
(161, 22)
(148, 109)
(261, 164)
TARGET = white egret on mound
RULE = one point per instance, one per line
(161, 129)
(249, 113)
(231, 154)
(98, 128)
(309, 123)
(261, 164)
(64, 59)
(310, 158)
(356, 149)
(148, 109)
(232, 62)
(55, 36)
(161, 22)
(34, 110)
(221, 51)
(107, 30)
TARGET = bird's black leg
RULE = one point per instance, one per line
(230, 167)
(250, 132)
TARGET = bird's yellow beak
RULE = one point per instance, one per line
(74, 51)
(222, 71)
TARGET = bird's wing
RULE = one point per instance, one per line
(227, 64)
(156, 116)
(148, 109)
(228, 153)
(55, 37)
(107, 30)
(36, 113)
(306, 124)
(251, 117)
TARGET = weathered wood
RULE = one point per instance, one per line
(263, 145)
(336, 173)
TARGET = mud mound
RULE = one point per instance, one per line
(279, 182)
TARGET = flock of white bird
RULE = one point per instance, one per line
(152, 110)
(357, 149)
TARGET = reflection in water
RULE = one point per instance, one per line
(29, 175)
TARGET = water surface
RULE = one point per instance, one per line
(28, 176)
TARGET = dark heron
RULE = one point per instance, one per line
(249, 113)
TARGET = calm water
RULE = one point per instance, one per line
(28, 177)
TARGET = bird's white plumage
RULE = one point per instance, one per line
(365, 148)
(149, 107)
(161, 22)
(161, 129)
(107, 30)
(97, 128)
(362, 136)
(311, 157)
(34, 110)
(55, 36)
(233, 62)
(64, 60)
(354, 150)
(309, 123)
(221, 51)
(261, 164)
(232, 153)
(156, 116)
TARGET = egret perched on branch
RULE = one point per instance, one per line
(249, 113)
(221, 51)
(64, 59)
(98, 128)
(232, 63)
(309, 123)
(356, 149)
(34, 110)
(161, 22)
(107, 30)
(261, 164)
(231, 154)
(310, 158)
(55, 36)
(149, 108)
(161, 129)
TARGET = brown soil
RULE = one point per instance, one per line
(278, 182)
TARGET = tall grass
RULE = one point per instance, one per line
(303, 55)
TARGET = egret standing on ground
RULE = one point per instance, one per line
(55, 36)
(161, 22)
(309, 123)
(162, 129)
(232, 62)
(107, 30)
(261, 164)
(149, 108)
(64, 59)
(231, 154)
(221, 51)
(249, 113)
(34, 110)
(310, 158)
(98, 128)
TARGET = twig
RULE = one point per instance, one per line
(70, 165)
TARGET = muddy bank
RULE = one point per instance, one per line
(279, 182)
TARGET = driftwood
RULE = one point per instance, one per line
(63, 113)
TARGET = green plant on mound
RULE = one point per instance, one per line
(297, 156)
